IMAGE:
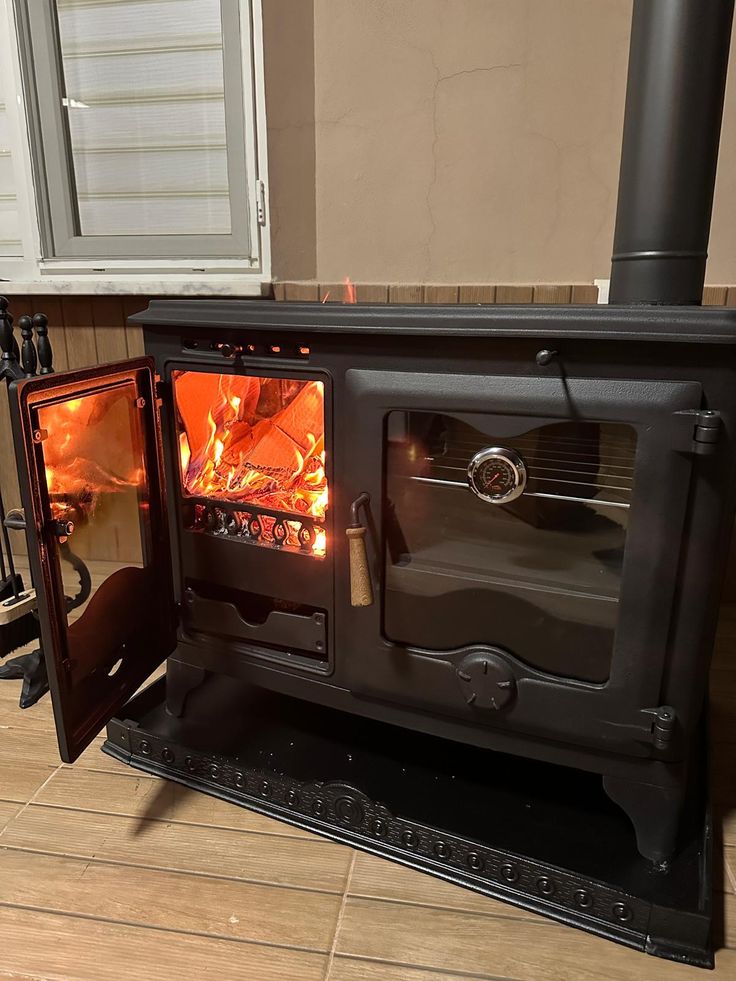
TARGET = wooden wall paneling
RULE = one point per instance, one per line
(371, 293)
(441, 294)
(306, 292)
(81, 346)
(552, 294)
(584, 293)
(514, 294)
(477, 294)
(109, 325)
(715, 296)
(404, 293)
(133, 333)
(51, 306)
(731, 296)
(331, 292)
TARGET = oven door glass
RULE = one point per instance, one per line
(97, 534)
(512, 541)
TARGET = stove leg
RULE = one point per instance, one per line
(653, 810)
(181, 680)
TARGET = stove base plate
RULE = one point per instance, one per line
(538, 836)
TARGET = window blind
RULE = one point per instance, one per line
(144, 98)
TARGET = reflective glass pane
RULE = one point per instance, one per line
(535, 566)
(94, 457)
(145, 108)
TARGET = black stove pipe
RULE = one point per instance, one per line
(674, 105)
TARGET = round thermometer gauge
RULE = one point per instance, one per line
(497, 474)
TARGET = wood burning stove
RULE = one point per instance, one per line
(544, 539)
(504, 526)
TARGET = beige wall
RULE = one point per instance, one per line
(288, 31)
(457, 140)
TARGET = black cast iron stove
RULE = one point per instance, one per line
(451, 530)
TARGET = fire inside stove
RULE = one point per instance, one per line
(252, 457)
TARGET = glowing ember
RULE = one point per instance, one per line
(255, 440)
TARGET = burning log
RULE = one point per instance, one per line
(240, 455)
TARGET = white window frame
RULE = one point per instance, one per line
(190, 276)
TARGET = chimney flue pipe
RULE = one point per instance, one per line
(674, 104)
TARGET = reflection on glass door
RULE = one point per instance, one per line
(98, 497)
(531, 561)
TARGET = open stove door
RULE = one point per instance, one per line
(89, 452)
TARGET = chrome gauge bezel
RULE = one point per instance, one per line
(511, 459)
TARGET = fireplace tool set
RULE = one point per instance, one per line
(438, 582)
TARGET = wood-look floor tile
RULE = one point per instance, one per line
(38, 716)
(127, 793)
(496, 947)
(66, 948)
(39, 746)
(377, 878)
(727, 816)
(729, 870)
(313, 864)
(234, 910)
(349, 969)
(29, 745)
(729, 920)
(7, 812)
(19, 780)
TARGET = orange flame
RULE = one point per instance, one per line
(246, 454)
(349, 292)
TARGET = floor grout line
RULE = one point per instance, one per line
(28, 803)
(340, 915)
(136, 925)
(97, 860)
(440, 972)
(307, 836)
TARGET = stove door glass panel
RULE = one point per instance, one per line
(252, 458)
(536, 569)
(104, 577)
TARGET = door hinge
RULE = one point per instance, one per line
(261, 202)
(663, 725)
(703, 430)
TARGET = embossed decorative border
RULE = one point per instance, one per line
(345, 814)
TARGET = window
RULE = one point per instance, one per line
(142, 126)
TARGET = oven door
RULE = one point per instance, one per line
(539, 599)
(88, 448)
